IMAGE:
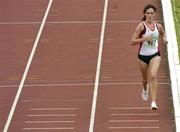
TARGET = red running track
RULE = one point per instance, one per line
(58, 91)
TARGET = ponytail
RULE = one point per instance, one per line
(144, 18)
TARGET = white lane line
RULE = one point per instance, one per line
(27, 69)
(116, 121)
(51, 115)
(19, 23)
(50, 128)
(77, 84)
(51, 109)
(146, 114)
(38, 122)
(54, 100)
(129, 108)
(68, 22)
(133, 127)
(98, 68)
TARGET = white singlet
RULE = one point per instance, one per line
(148, 48)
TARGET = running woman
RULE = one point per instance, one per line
(146, 35)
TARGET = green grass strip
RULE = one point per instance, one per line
(176, 15)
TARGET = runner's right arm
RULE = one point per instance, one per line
(135, 38)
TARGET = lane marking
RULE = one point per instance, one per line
(75, 84)
(115, 121)
(13, 78)
(129, 108)
(133, 127)
(51, 109)
(11, 113)
(98, 68)
(146, 114)
(69, 22)
(51, 115)
(50, 128)
(38, 122)
(32, 78)
(54, 100)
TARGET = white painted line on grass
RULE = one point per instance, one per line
(173, 58)
(98, 68)
(10, 116)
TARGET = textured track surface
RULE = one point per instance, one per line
(58, 91)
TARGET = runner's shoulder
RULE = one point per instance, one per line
(158, 25)
(140, 26)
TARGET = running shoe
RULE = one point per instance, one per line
(154, 106)
(145, 93)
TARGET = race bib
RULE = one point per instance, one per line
(153, 43)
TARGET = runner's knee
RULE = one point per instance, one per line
(153, 77)
(145, 81)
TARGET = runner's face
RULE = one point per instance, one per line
(150, 14)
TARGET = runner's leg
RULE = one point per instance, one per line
(153, 70)
(144, 71)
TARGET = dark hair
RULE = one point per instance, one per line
(149, 6)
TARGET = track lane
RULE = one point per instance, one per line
(22, 11)
(120, 107)
(66, 54)
(50, 101)
(15, 49)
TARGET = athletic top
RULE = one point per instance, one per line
(146, 47)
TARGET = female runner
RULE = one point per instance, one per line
(146, 35)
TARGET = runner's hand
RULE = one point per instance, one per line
(148, 37)
(164, 41)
